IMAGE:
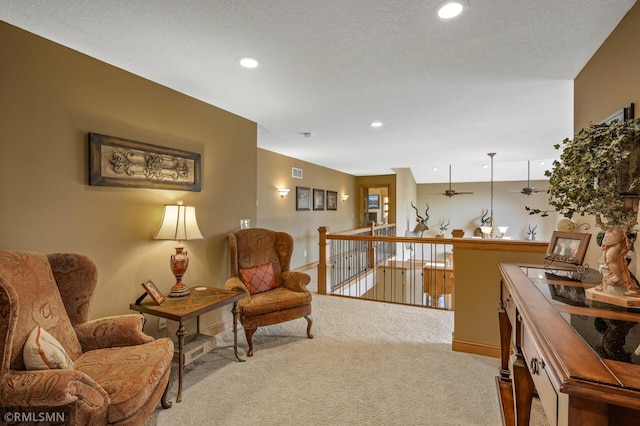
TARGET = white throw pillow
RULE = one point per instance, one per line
(43, 352)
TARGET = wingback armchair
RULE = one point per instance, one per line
(113, 372)
(260, 261)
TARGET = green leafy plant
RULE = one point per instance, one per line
(597, 170)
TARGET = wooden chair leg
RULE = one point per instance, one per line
(164, 401)
(249, 333)
(309, 324)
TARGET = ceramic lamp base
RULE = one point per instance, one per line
(179, 264)
(179, 291)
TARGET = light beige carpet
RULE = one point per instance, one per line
(370, 363)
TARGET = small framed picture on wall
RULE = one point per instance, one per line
(332, 200)
(318, 199)
(303, 198)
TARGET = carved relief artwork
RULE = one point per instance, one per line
(121, 162)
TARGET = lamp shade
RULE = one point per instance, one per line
(179, 223)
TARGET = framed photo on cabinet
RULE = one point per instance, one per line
(153, 291)
(568, 247)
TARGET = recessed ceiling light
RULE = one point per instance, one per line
(248, 62)
(376, 124)
(435, 169)
(452, 8)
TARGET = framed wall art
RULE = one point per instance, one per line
(318, 199)
(568, 247)
(374, 202)
(332, 200)
(623, 114)
(120, 162)
(303, 198)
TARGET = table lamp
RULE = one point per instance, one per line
(179, 223)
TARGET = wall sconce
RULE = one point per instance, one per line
(283, 192)
(345, 197)
(179, 223)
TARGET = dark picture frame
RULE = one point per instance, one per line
(318, 199)
(568, 247)
(332, 200)
(303, 198)
(623, 114)
(153, 291)
(115, 161)
(374, 202)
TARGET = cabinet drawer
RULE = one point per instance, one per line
(541, 378)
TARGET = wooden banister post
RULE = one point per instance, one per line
(322, 260)
(372, 255)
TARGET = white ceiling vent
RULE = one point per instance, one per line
(296, 173)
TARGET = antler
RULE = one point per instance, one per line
(443, 226)
(426, 212)
(483, 218)
(417, 214)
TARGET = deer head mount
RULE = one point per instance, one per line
(443, 227)
(485, 219)
(531, 233)
(421, 226)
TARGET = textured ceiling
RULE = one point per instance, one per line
(497, 79)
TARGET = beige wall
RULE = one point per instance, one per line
(477, 289)
(611, 78)
(275, 212)
(406, 192)
(51, 98)
(609, 81)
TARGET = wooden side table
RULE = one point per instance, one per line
(198, 302)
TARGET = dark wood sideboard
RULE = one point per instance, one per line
(578, 355)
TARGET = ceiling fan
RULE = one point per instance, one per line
(450, 192)
(528, 190)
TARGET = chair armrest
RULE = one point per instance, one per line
(51, 388)
(234, 283)
(295, 281)
(108, 332)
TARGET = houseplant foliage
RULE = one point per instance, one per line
(599, 174)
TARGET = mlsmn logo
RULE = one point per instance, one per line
(21, 416)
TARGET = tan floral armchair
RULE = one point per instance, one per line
(116, 373)
(260, 267)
